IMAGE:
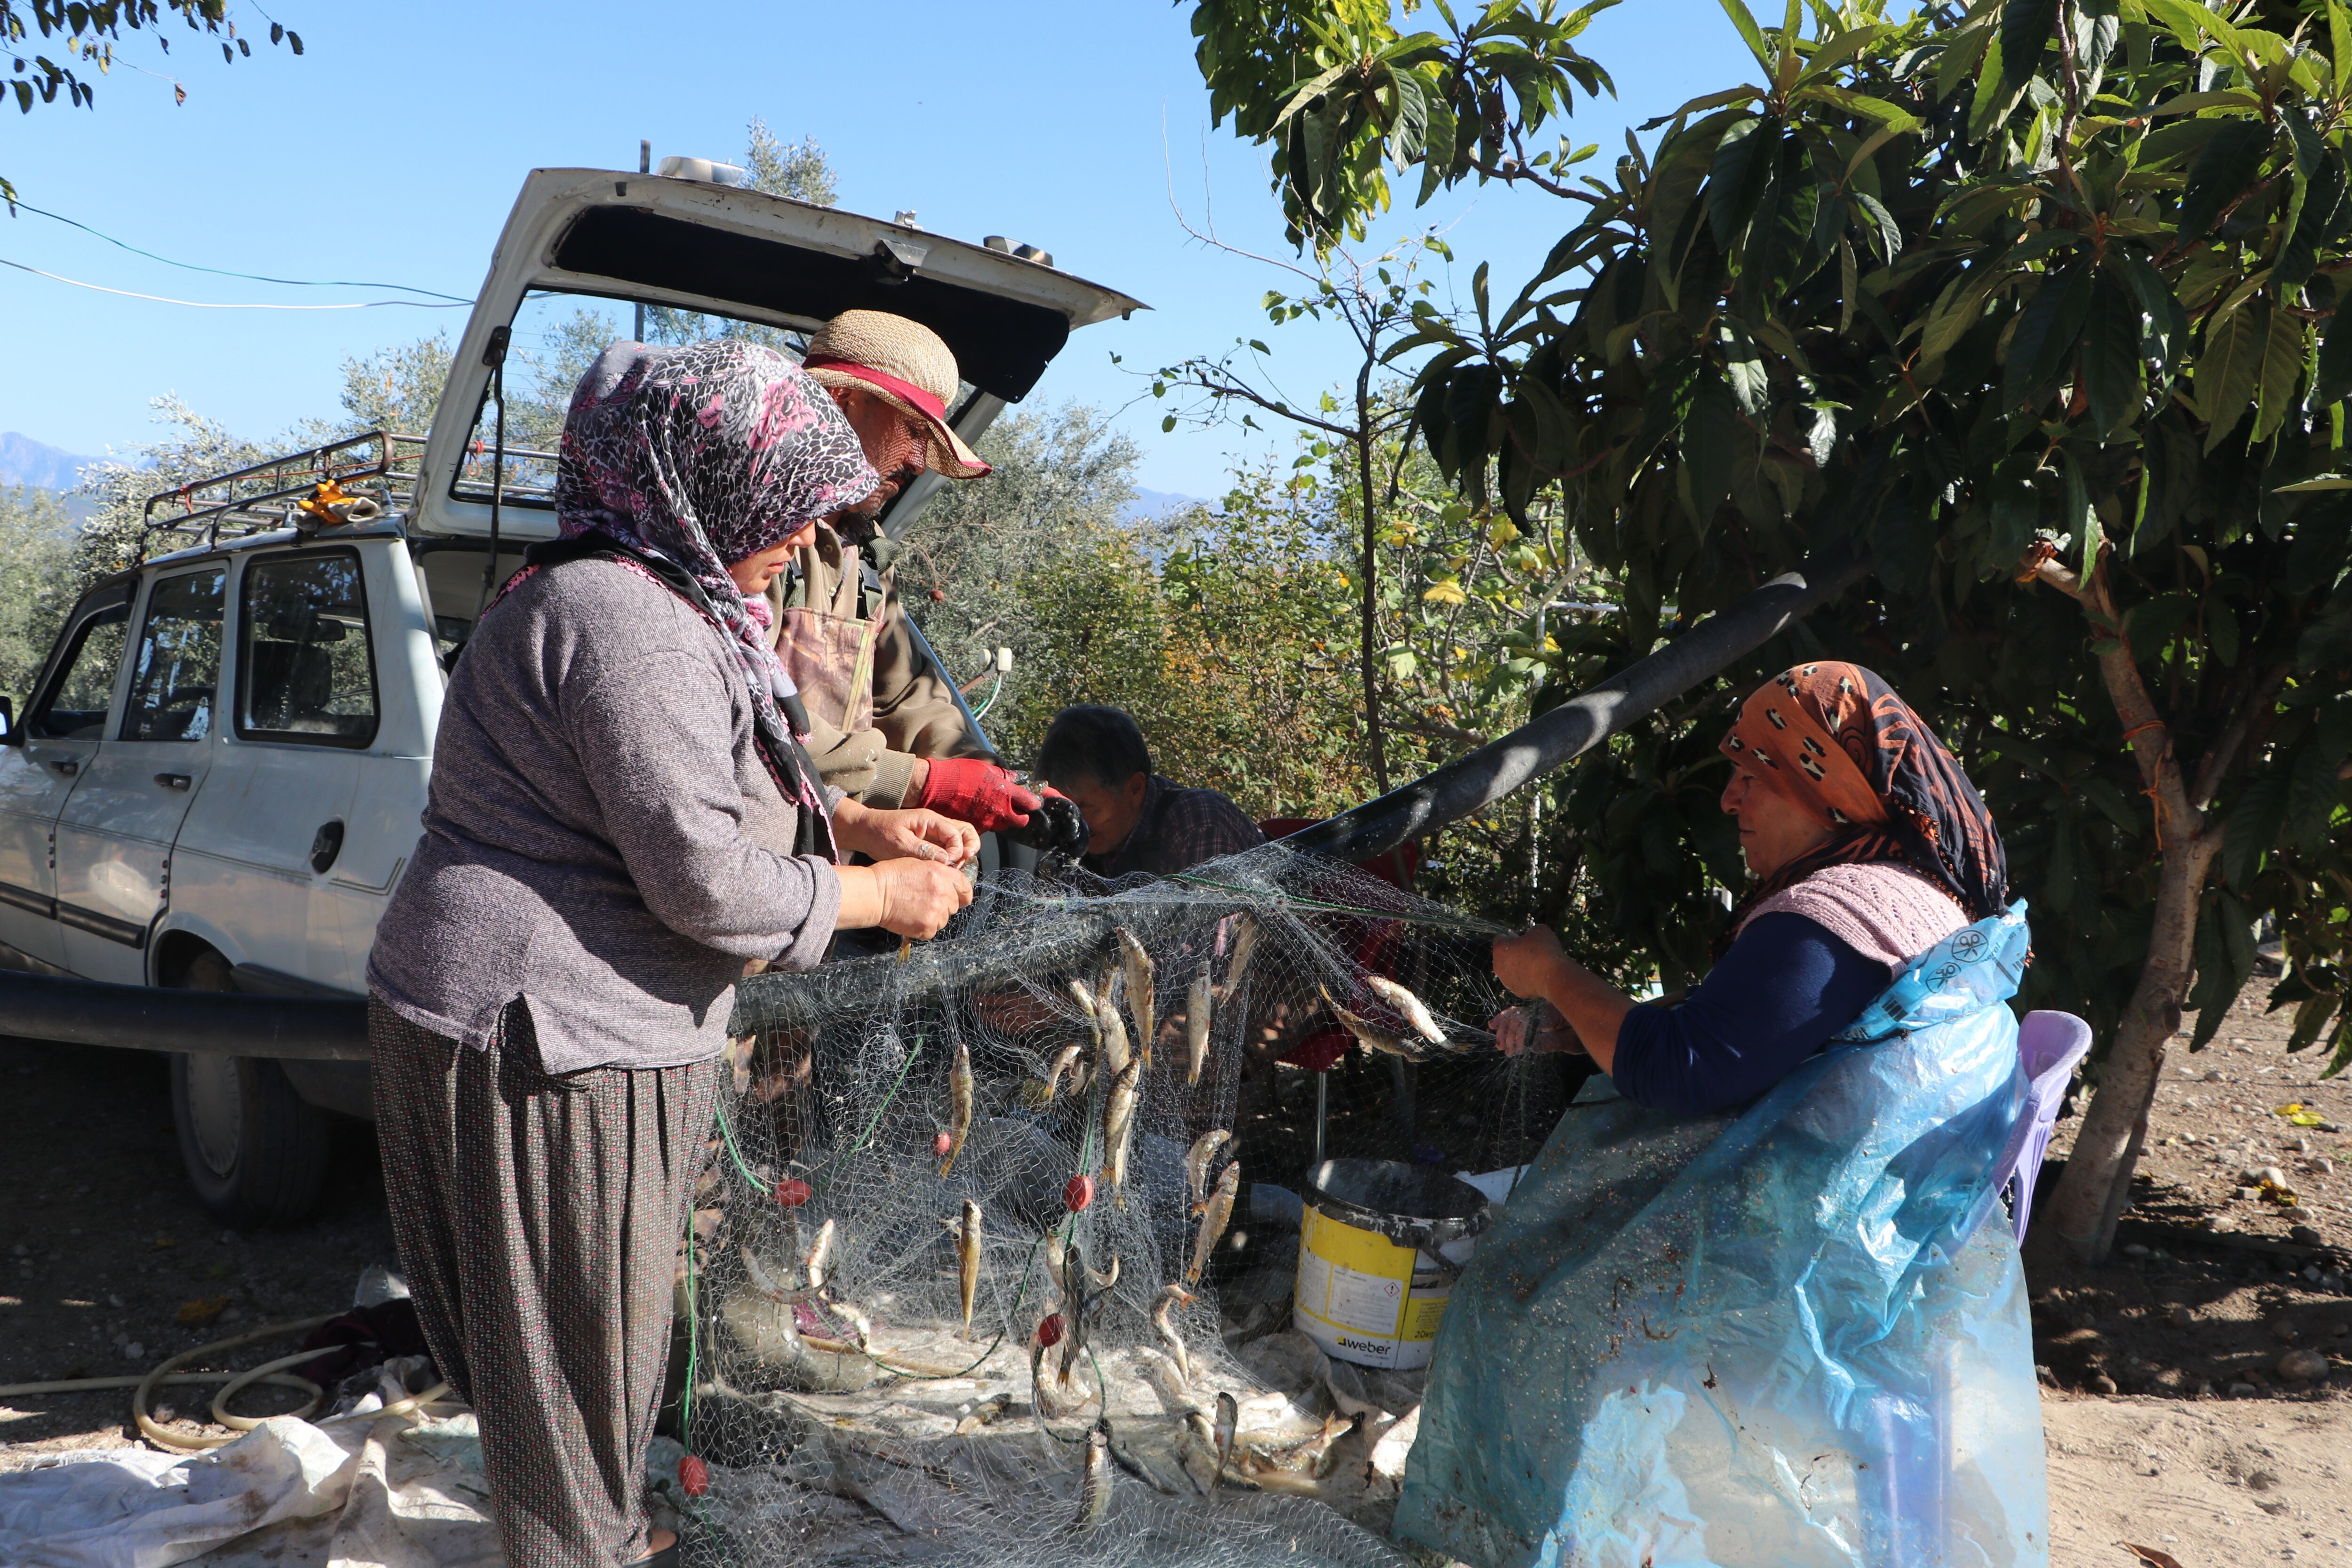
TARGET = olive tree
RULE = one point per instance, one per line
(2034, 301)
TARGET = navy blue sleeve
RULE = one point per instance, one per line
(1778, 996)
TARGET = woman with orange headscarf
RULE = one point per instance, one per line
(1869, 846)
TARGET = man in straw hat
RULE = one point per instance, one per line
(886, 723)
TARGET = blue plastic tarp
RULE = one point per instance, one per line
(1775, 1337)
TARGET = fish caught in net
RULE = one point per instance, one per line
(993, 1262)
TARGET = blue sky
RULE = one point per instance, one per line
(393, 147)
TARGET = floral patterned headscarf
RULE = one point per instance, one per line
(700, 454)
(1835, 741)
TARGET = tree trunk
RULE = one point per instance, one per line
(1367, 495)
(2079, 1219)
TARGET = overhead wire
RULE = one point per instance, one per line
(230, 272)
(221, 305)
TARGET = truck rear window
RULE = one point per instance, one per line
(305, 671)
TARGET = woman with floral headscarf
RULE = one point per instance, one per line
(621, 819)
(1869, 846)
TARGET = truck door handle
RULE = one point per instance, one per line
(174, 781)
(65, 766)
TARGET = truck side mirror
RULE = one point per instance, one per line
(7, 720)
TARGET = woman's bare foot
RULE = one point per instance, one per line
(659, 1541)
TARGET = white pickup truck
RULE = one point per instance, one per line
(216, 782)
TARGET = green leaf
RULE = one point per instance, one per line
(2222, 630)
(2016, 511)
(2227, 371)
(1709, 443)
(1894, 117)
(2227, 165)
(2283, 359)
(1738, 175)
(2311, 1016)
(2322, 197)
(1887, 233)
(2339, 43)
(1737, 11)
(1437, 147)
(1960, 55)
(2312, 793)
(2111, 364)
(2025, 29)
(2046, 333)
(2254, 827)
(1744, 369)
(2335, 360)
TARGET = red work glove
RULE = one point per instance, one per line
(989, 797)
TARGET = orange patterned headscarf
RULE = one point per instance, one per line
(1835, 741)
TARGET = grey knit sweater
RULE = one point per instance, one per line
(597, 835)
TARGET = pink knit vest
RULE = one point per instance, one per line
(1882, 910)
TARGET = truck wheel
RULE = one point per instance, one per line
(255, 1151)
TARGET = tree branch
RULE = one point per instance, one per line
(2145, 729)
(2223, 751)
(1222, 387)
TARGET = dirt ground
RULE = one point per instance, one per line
(2171, 1424)
(107, 1263)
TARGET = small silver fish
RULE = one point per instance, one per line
(1196, 1025)
(968, 1244)
(1229, 1421)
(820, 1252)
(1062, 1063)
(961, 1093)
(1245, 946)
(1098, 1282)
(1114, 1049)
(1049, 1403)
(1373, 1037)
(1271, 1479)
(1172, 1296)
(1118, 1123)
(1139, 990)
(1196, 1164)
(981, 1415)
(859, 1323)
(764, 1283)
(1213, 1220)
(1196, 1446)
(1406, 1005)
(1084, 995)
(1054, 1260)
(1094, 1487)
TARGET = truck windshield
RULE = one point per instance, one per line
(556, 337)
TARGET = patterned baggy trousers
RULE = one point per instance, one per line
(538, 1220)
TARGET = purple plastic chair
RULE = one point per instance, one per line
(2049, 1045)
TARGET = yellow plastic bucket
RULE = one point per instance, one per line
(1372, 1283)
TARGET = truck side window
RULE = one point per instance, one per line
(76, 709)
(305, 671)
(175, 674)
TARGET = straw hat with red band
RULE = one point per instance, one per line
(905, 364)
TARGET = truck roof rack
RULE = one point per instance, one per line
(263, 496)
(379, 465)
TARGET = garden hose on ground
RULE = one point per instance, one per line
(158, 1435)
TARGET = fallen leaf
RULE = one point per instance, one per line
(2151, 1556)
(163, 1241)
(203, 1309)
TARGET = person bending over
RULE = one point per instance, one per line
(1135, 820)
(1868, 845)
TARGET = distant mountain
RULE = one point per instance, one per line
(1150, 504)
(25, 461)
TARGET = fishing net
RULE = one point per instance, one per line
(853, 1405)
